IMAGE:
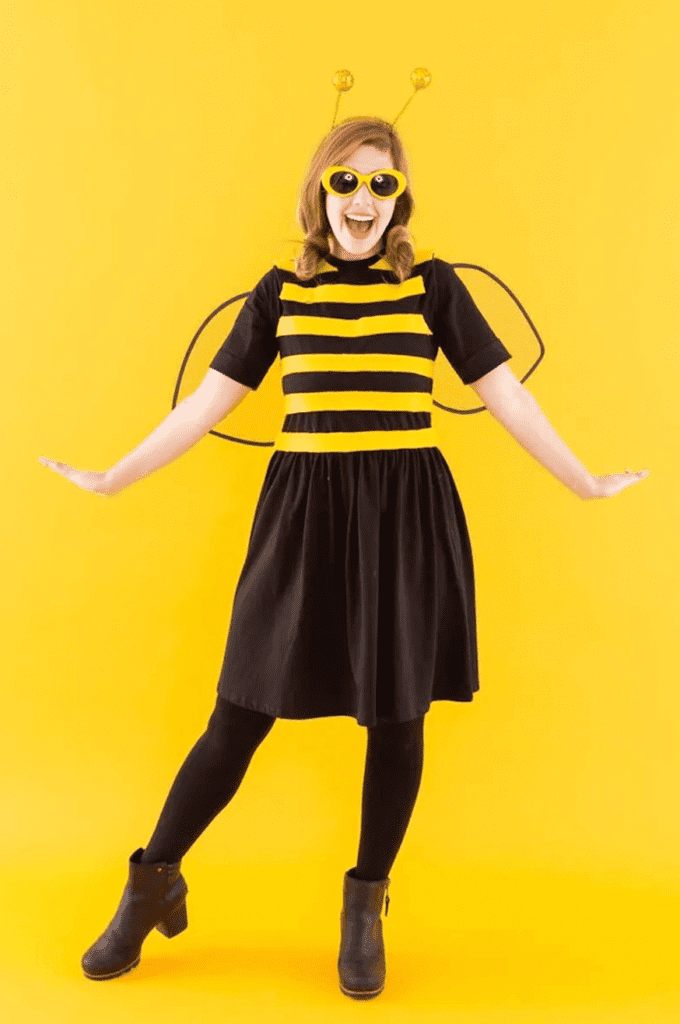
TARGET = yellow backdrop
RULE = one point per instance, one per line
(153, 157)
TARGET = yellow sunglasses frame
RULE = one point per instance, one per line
(361, 178)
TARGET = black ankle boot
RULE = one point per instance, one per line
(361, 963)
(154, 897)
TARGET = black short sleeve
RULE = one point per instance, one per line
(462, 333)
(251, 346)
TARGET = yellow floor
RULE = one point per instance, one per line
(478, 944)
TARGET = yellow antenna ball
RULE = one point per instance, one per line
(420, 78)
(343, 80)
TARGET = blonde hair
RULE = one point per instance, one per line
(335, 148)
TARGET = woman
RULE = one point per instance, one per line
(357, 592)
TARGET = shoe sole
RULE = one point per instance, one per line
(116, 974)
(371, 994)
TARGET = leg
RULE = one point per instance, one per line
(155, 894)
(394, 765)
(207, 780)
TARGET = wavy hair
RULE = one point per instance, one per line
(335, 148)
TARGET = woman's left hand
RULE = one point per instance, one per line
(606, 486)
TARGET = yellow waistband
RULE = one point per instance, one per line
(352, 441)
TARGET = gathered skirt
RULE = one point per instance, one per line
(357, 594)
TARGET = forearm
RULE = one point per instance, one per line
(178, 432)
(524, 419)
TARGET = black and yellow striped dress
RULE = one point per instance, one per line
(357, 593)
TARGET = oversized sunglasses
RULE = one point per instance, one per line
(343, 182)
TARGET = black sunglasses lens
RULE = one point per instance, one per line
(343, 182)
(384, 184)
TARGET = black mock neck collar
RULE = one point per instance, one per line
(366, 261)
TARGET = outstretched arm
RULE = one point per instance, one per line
(188, 422)
(517, 410)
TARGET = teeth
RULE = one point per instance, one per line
(359, 218)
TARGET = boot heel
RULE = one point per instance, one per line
(175, 922)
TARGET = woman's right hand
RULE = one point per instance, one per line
(89, 481)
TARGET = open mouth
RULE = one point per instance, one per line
(359, 227)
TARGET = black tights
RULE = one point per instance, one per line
(217, 763)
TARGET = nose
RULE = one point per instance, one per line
(362, 199)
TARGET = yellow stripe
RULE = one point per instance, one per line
(324, 268)
(353, 292)
(327, 401)
(349, 441)
(354, 362)
(388, 323)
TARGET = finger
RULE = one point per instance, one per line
(62, 469)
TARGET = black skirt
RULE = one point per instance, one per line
(357, 593)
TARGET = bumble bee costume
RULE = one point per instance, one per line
(357, 593)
